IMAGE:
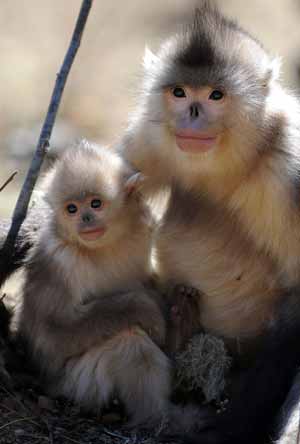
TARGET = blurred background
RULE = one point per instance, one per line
(100, 91)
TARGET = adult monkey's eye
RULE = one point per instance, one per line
(178, 92)
(216, 95)
(72, 208)
(96, 203)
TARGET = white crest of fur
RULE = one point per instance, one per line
(149, 59)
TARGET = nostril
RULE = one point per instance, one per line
(194, 111)
(86, 218)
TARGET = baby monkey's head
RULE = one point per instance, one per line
(92, 193)
(207, 88)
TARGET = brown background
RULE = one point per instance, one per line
(100, 92)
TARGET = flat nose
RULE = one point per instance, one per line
(87, 217)
(194, 110)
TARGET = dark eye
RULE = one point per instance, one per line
(96, 203)
(72, 208)
(216, 95)
(178, 92)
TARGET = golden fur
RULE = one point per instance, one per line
(92, 328)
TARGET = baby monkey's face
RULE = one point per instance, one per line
(86, 218)
(94, 220)
(196, 116)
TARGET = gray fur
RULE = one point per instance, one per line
(91, 327)
(289, 416)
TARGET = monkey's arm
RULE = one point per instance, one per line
(73, 327)
(120, 311)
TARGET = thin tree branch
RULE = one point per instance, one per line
(8, 180)
(21, 208)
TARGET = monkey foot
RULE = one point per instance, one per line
(186, 291)
(183, 315)
(184, 302)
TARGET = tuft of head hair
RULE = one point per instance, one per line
(198, 36)
(212, 49)
(86, 169)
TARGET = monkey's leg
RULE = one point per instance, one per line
(289, 416)
(260, 391)
(142, 377)
(129, 366)
(183, 316)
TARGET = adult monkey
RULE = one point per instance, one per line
(215, 126)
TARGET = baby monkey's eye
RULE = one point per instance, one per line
(72, 208)
(178, 92)
(216, 95)
(96, 203)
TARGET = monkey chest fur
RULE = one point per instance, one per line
(205, 247)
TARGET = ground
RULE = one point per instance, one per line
(28, 417)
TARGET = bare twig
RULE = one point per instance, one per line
(14, 422)
(20, 211)
(8, 180)
(70, 439)
(13, 396)
(115, 435)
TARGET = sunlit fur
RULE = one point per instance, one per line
(91, 327)
(232, 228)
(290, 416)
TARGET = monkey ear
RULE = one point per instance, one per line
(133, 183)
(150, 59)
(273, 70)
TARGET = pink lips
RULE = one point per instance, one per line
(90, 235)
(195, 141)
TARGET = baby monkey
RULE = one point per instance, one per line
(90, 325)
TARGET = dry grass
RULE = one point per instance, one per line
(26, 419)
